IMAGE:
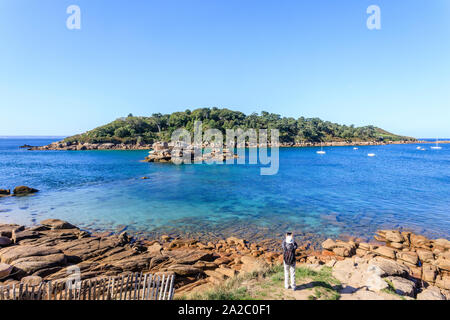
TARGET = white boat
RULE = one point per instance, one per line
(355, 148)
(437, 147)
(371, 155)
(419, 147)
(321, 150)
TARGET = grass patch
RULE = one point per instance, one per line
(325, 285)
(391, 289)
(269, 284)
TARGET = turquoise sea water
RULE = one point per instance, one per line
(342, 192)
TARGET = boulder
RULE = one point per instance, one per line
(165, 238)
(362, 294)
(444, 243)
(393, 236)
(4, 241)
(22, 235)
(443, 282)
(158, 260)
(215, 277)
(408, 256)
(364, 246)
(373, 279)
(419, 241)
(192, 257)
(329, 244)
(389, 267)
(444, 255)
(10, 254)
(386, 252)
(31, 280)
(342, 252)
(24, 190)
(402, 286)
(226, 271)
(429, 273)
(223, 260)
(250, 264)
(396, 245)
(415, 272)
(184, 270)
(425, 255)
(56, 224)
(5, 270)
(235, 241)
(205, 265)
(356, 274)
(431, 293)
(155, 248)
(443, 264)
(133, 263)
(32, 264)
(6, 230)
(344, 270)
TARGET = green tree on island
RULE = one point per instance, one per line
(160, 127)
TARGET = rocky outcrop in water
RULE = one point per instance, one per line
(82, 146)
(24, 190)
(182, 153)
(18, 191)
(79, 146)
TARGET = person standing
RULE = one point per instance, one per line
(289, 247)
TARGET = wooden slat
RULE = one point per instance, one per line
(149, 286)
(126, 288)
(166, 287)
(121, 287)
(171, 290)
(157, 288)
(102, 289)
(39, 292)
(134, 286)
(20, 291)
(89, 289)
(161, 290)
(4, 293)
(144, 285)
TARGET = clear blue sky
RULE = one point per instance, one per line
(296, 58)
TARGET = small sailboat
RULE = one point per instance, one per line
(436, 147)
(321, 150)
(371, 154)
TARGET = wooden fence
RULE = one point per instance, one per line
(136, 286)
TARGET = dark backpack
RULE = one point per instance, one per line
(289, 253)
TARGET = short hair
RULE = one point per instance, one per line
(289, 233)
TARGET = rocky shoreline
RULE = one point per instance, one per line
(78, 146)
(416, 266)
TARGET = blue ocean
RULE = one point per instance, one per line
(343, 192)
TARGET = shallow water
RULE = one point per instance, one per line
(341, 192)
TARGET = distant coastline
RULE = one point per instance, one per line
(63, 146)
